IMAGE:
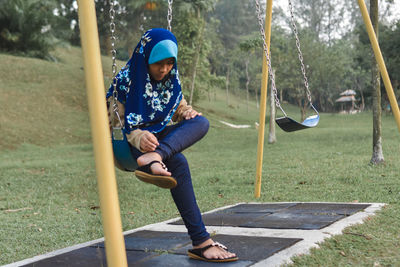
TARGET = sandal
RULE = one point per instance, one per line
(198, 253)
(144, 174)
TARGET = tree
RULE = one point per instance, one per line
(190, 28)
(377, 152)
(390, 45)
(25, 27)
(248, 48)
(66, 23)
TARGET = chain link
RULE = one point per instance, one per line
(271, 73)
(169, 16)
(303, 69)
(114, 57)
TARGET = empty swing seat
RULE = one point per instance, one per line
(290, 125)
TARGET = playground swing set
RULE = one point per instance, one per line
(103, 150)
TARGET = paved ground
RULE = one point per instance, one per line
(261, 234)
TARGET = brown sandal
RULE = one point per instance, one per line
(198, 253)
(144, 174)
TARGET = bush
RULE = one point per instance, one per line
(25, 27)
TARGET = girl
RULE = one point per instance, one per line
(149, 100)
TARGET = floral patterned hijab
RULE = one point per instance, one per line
(149, 104)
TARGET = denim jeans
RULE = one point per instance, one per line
(172, 141)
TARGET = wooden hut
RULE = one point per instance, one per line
(347, 100)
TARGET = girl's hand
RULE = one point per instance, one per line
(148, 142)
(190, 114)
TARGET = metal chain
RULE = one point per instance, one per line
(271, 73)
(303, 69)
(114, 56)
(169, 16)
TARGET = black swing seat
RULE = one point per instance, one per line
(290, 125)
(122, 150)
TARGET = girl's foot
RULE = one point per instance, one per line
(215, 251)
(153, 171)
(156, 168)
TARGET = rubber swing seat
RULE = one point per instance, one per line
(290, 125)
(122, 150)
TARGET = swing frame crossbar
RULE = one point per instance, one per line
(289, 123)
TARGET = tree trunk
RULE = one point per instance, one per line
(377, 152)
(362, 100)
(303, 106)
(272, 135)
(247, 84)
(257, 102)
(228, 70)
(196, 59)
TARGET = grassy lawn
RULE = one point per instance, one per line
(48, 190)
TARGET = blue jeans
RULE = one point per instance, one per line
(173, 140)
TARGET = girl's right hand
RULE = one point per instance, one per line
(148, 142)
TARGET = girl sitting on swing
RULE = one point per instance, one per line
(149, 99)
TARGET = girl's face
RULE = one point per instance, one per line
(161, 68)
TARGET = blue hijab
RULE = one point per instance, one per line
(149, 104)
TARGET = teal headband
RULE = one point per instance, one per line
(162, 50)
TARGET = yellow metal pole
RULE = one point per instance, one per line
(263, 101)
(381, 62)
(114, 240)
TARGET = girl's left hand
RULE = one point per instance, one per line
(190, 114)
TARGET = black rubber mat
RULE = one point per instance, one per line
(229, 219)
(303, 216)
(281, 220)
(153, 248)
(247, 247)
(250, 247)
(158, 248)
(259, 208)
(89, 257)
(175, 260)
(154, 241)
(327, 208)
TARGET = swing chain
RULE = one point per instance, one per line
(303, 69)
(267, 56)
(169, 16)
(114, 56)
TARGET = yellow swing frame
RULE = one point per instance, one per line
(108, 194)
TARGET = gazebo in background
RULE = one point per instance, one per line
(347, 100)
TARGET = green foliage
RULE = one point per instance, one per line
(48, 191)
(25, 27)
(66, 21)
(212, 38)
(390, 47)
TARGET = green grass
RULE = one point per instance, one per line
(47, 170)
